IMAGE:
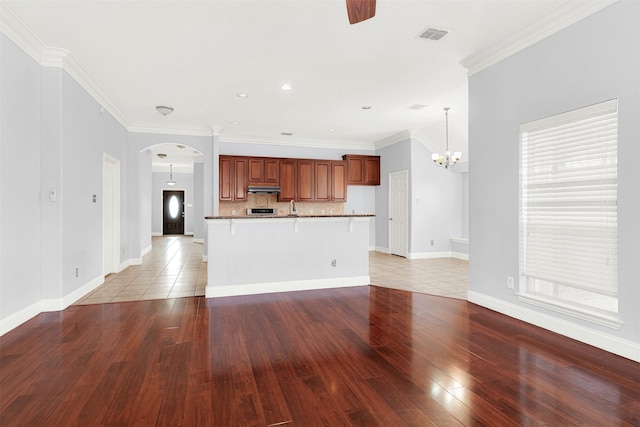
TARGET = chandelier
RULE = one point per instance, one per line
(448, 159)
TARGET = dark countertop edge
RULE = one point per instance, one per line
(291, 217)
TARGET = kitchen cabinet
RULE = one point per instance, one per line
(362, 170)
(233, 178)
(263, 171)
(322, 175)
(306, 181)
(288, 178)
(338, 181)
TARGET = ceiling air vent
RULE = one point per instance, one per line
(432, 34)
(417, 107)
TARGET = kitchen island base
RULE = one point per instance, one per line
(281, 254)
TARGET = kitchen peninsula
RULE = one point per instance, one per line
(252, 255)
(252, 249)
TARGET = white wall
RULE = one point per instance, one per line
(393, 158)
(53, 139)
(20, 282)
(435, 200)
(87, 133)
(198, 197)
(144, 204)
(576, 67)
(435, 203)
(184, 182)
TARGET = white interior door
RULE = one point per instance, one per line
(111, 214)
(398, 213)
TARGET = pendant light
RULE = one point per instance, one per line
(171, 181)
(448, 159)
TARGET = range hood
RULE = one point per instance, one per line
(263, 189)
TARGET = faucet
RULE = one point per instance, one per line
(293, 210)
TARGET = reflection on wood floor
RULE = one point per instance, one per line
(174, 268)
(363, 356)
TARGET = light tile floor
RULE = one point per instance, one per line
(448, 277)
(174, 268)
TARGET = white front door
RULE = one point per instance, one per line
(398, 213)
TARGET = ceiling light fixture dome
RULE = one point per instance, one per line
(448, 159)
(165, 111)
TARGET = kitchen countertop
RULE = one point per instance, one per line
(289, 216)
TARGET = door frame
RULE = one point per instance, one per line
(110, 209)
(406, 216)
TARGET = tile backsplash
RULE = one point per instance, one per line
(271, 201)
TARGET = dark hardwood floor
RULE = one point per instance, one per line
(361, 356)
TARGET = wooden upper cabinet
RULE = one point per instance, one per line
(338, 181)
(263, 171)
(288, 180)
(362, 170)
(226, 179)
(240, 175)
(323, 181)
(306, 182)
(233, 179)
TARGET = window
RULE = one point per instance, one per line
(568, 213)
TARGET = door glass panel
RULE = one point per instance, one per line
(173, 206)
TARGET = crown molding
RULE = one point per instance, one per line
(171, 129)
(393, 139)
(54, 57)
(13, 29)
(300, 142)
(561, 17)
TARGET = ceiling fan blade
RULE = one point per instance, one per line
(360, 10)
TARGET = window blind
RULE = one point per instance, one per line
(569, 232)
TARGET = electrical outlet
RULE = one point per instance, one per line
(509, 282)
(333, 263)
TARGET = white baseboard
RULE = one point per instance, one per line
(427, 255)
(460, 255)
(189, 233)
(382, 249)
(51, 304)
(146, 250)
(289, 286)
(156, 233)
(198, 240)
(610, 343)
(127, 263)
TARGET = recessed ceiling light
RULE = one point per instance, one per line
(241, 95)
(416, 107)
(366, 107)
(161, 155)
(332, 130)
(286, 86)
(234, 123)
(180, 146)
(286, 133)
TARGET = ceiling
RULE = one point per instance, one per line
(196, 56)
